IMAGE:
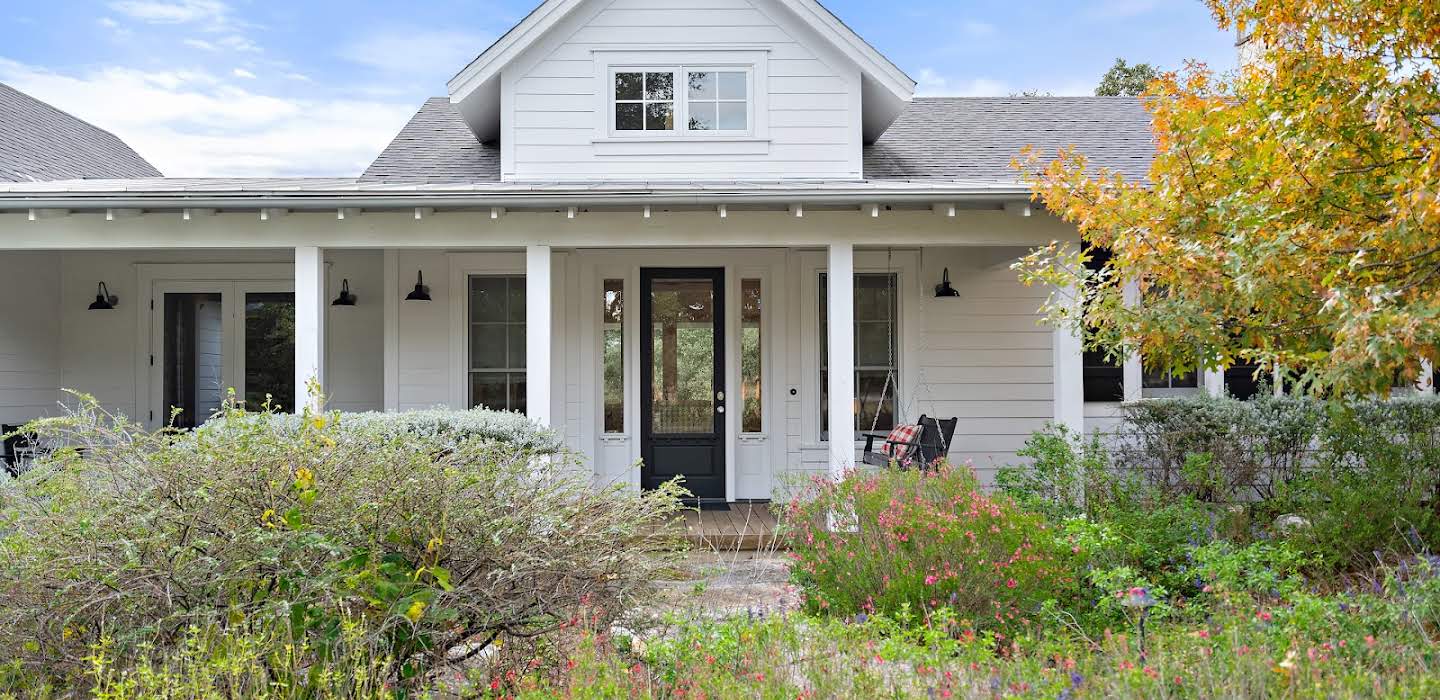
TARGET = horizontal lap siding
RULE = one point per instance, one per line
(556, 110)
(985, 357)
(29, 335)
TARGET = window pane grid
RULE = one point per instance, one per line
(876, 340)
(645, 101)
(497, 343)
(718, 101)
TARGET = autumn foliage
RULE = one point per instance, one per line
(1291, 216)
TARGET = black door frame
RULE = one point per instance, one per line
(713, 489)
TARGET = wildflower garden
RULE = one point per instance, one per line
(1209, 548)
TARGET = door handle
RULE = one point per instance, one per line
(720, 410)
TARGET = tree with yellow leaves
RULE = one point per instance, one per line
(1291, 217)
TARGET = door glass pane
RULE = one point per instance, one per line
(270, 350)
(613, 318)
(682, 332)
(193, 357)
(750, 369)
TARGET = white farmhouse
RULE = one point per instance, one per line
(709, 237)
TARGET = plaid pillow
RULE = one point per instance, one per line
(901, 434)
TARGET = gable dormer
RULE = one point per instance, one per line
(680, 90)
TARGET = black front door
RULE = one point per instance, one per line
(682, 328)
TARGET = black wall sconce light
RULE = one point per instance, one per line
(104, 300)
(345, 298)
(422, 292)
(944, 290)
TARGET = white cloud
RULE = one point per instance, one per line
(108, 23)
(235, 42)
(933, 84)
(299, 77)
(200, 44)
(416, 52)
(242, 73)
(194, 124)
(172, 12)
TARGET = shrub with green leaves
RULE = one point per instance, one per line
(435, 534)
(919, 540)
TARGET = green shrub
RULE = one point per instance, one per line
(1065, 477)
(432, 533)
(922, 541)
(1362, 477)
(1247, 449)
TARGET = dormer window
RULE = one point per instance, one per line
(645, 101)
(711, 101)
(718, 100)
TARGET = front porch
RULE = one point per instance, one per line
(663, 352)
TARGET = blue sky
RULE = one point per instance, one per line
(273, 87)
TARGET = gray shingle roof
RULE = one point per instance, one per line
(936, 139)
(959, 138)
(435, 146)
(39, 143)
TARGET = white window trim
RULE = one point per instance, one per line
(755, 140)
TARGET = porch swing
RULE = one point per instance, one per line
(924, 443)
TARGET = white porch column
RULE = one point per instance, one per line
(1215, 382)
(538, 290)
(309, 325)
(840, 314)
(1134, 377)
(1069, 369)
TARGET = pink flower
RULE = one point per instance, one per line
(930, 580)
(1263, 615)
(1011, 583)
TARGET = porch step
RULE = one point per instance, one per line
(742, 527)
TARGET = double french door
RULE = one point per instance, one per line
(208, 337)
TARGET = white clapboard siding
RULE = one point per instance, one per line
(810, 129)
(984, 357)
(29, 335)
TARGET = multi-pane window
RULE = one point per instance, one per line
(613, 325)
(752, 419)
(497, 343)
(1158, 383)
(645, 101)
(718, 101)
(711, 101)
(876, 352)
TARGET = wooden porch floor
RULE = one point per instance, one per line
(741, 527)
